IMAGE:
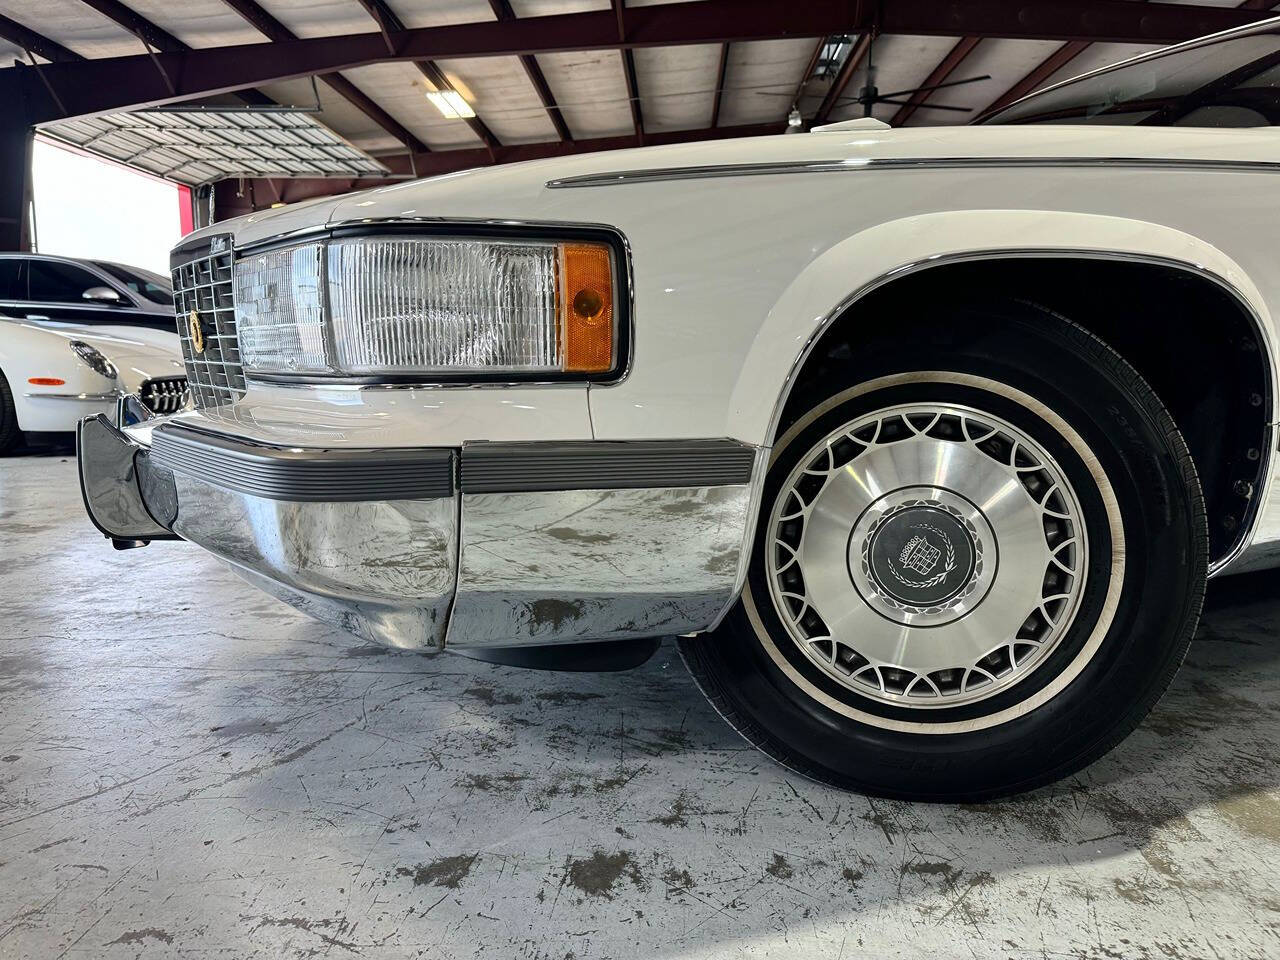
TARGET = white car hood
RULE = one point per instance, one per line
(138, 353)
(518, 190)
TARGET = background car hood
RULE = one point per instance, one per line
(138, 353)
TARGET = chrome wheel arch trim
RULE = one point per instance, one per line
(1106, 615)
(1265, 337)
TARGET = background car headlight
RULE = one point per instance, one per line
(94, 359)
(400, 305)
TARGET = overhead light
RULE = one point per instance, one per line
(794, 119)
(451, 104)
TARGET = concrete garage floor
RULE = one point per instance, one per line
(188, 768)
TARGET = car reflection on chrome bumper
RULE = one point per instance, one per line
(492, 544)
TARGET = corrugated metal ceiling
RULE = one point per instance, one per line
(676, 86)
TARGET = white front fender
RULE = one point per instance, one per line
(851, 269)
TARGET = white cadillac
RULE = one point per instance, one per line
(54, 374)
(924, 440)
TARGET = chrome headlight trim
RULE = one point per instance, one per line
(468, 229)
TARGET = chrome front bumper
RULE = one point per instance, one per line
(495, 544)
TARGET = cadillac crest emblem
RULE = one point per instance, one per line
(920, 555)
(196, 331)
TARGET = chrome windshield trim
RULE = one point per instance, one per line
(903, 163)
(1265, 25)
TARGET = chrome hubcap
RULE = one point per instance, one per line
(927, 555)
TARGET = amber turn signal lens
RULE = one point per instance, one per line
(45, 381)
(586, 308)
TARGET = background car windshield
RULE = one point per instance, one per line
(1231, 83)
(142, 282)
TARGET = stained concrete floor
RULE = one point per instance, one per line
(188, 768)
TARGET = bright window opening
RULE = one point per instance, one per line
(98, 210)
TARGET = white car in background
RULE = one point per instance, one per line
(54, 374)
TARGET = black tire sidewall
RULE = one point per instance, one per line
(1165, 550)
(10, 434)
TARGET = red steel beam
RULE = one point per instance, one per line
(279, 34)
(808, 71)
(156, 38)
(138, 25)
(449, 161)
(720, 75)
(390, 23)
(36, 43)
(1038, 74)
(629, 70)
(633, 93)
(941, 72)
(119, 83)
(502, 10)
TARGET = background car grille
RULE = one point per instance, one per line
(202, 282)
(164, 394)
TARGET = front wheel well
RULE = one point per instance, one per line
(1191, 339)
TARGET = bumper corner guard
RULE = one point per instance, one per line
(125, 495)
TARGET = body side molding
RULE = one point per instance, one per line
(604, 465)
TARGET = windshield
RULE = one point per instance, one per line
(144, 283)
(1233, 82)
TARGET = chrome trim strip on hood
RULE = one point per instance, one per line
(902, 163)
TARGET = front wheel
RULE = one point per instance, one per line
(976, 568)
(10, 434)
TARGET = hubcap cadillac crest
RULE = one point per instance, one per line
(920, 553)
(922, 556)
(196, 331)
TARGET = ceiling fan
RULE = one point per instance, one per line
(869, 96)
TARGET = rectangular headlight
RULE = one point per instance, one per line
(449, 306)
(279, 320)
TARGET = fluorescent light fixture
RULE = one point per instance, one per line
(451, 104)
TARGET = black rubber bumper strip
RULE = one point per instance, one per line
(604, 465)
(305, 475)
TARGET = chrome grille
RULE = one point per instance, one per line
(164, 394)
(203, 283)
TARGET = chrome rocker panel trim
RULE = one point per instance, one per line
(655, 544)
(81, 397)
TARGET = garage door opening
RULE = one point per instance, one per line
(135, 217)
